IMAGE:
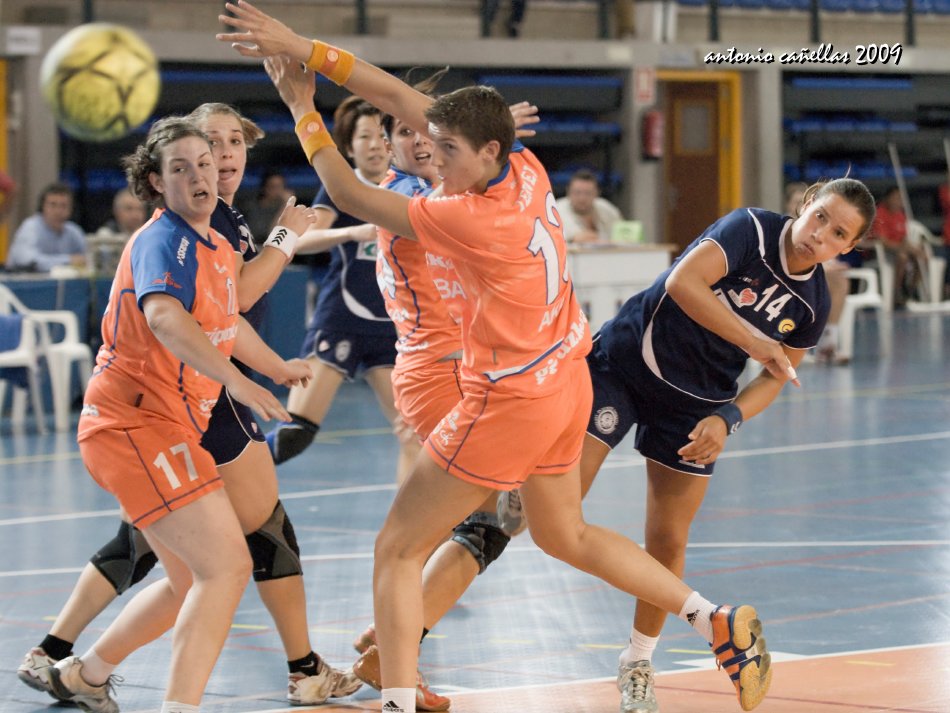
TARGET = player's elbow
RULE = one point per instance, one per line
(676, 285)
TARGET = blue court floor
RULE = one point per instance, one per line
(830, 512)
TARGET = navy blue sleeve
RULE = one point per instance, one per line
(163, 260)
(736, 234)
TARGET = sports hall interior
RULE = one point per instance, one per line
(829, 511)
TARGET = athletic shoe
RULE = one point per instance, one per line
(34, 671)
(367, 670)
(740, 649)
(67, 683)
(365, 640)
(329, 682)
(510, 513)
(635, 682)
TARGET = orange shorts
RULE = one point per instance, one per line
(492, 438)
(151, 469)
(425, 394)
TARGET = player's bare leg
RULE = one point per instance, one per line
(200, 593)
(251, 484)
(673, 499)
(428, 505)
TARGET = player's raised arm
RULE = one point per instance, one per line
(374, 205)
(265, 36)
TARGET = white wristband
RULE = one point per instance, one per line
(282, 238)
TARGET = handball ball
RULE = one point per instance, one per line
(101, 81)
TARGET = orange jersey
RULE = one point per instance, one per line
(417, 289)
(520, 316)
(136, 379)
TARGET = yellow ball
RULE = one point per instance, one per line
(101, 81)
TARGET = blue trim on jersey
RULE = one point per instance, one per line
(408, 185)
(516, 147)
(505, 373)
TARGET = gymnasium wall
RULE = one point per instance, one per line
(181, 31)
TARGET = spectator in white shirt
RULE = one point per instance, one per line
(586, 217)
(48, 239)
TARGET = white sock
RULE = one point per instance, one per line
(95, 671)
(640, 648)
(696, 612)
(175, 707)
(399, 700)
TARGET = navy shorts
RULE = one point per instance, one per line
(662, 415)
(350, 353)
(231, 428)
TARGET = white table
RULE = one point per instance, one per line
(606, 276)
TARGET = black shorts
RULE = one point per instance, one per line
(350, 353)
(663, 416)
(231, 428)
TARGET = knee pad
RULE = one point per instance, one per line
(274, 549)
(291, 439)
(125, 559)
(480, 534)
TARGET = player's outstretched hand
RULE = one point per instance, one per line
(525, 114)
(773, 357)
(296, 217)
(706, 441)
(295, 372)
(293, 82)
(261, 35)
(261, 401)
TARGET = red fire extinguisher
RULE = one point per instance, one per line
(653, 134)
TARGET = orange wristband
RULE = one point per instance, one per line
(313, 134)
(332, 62)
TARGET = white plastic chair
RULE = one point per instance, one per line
(918, 233)
(885, 270)
(25, 355)
(867, 296)
(60, 355)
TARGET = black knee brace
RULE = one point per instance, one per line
(125, 559)
(292, 439)
(274, 549)
(480, 534)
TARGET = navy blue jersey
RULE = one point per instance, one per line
(651, 335)
(349, 299)
(228, 221)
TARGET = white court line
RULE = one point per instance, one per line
(327, 492)
(586, 681)
(533, 686)
(534, 549)
(624, 462)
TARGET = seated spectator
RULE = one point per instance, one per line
(944, 195)
(890, 227)
(585, 216)
(48, 239)
(271, 199)
(105, 246)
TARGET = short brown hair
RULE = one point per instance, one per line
(147, 158)
(478, 113)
